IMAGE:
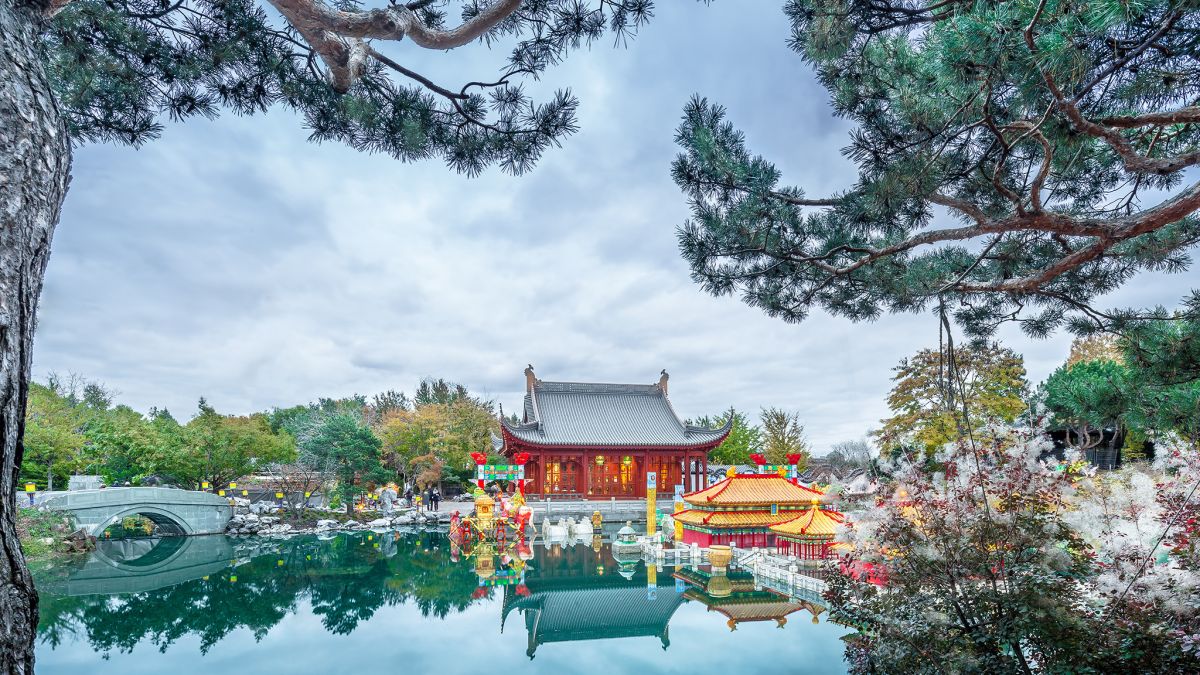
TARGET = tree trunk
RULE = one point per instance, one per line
(35, 164)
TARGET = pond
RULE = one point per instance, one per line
(393, 602)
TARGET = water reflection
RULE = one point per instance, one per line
(580, 593)
(162, 592)
(250, 584)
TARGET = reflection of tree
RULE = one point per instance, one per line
(346, 580)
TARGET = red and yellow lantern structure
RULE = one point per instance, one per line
(741, 509)
(809, 535)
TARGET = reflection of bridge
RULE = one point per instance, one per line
(138, 565)
(180, 511)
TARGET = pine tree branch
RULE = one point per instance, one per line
(346, 59)
(394, 23)
(1133, 162)
(413, 75)
(1187, 115)
(1168, 21)
(1170, 211)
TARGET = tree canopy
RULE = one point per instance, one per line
(929, 407)
(783, 435)
(1016, 161)
(1140, 387)
(120, 69)
(744, 437)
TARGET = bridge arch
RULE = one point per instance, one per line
(185, 511)
(160, 516)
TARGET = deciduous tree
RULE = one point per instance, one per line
(783, 435)
(219, 449)
(931, 408)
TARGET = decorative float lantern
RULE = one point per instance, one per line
(521, 459)
(809, 535)
(484, 511)
(719, 556)
(485, 562)
(626, 547)
(480, 460)
(740, 509)
(793, 462)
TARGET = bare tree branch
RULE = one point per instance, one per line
(393, 23)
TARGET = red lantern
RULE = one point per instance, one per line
(479, 457)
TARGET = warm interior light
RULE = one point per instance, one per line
(599, 459)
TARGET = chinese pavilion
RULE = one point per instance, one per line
(808, 536)
(596, 441)
(741, 509)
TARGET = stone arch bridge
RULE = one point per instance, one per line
(182, 511)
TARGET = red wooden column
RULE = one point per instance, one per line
(687, 472)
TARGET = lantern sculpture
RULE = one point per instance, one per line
(480, 460)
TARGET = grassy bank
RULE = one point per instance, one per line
(40, 532)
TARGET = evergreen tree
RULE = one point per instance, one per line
(353, 452)
(744, 438)
(1016, 160)
(75, 71)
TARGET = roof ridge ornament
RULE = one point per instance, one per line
(662, 381)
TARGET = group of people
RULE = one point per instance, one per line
(430, 499)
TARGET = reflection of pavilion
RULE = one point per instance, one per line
(577, 594)
(735, 595)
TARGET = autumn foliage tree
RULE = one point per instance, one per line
(433, 440)
(783, 435)
(931, 408)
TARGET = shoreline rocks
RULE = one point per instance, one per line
(247, 522)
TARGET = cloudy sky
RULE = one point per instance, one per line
(234, 260)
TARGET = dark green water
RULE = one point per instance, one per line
(373, 604)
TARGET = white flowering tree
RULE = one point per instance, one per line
(1001, 562)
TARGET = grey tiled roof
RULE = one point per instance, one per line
(574, 413)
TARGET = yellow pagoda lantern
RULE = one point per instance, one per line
(485, 562)
(484, 511)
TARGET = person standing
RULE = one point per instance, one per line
(437, 499)
(429, 498)
(387, 496)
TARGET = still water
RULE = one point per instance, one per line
(372, 603)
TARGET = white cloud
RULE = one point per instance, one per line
(233, 260)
